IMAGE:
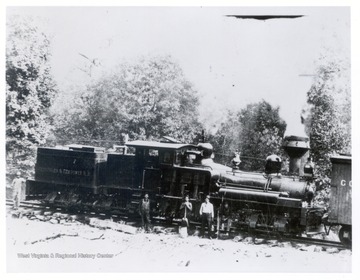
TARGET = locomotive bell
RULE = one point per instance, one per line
(273, 164)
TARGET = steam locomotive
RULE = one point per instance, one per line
(88, 177)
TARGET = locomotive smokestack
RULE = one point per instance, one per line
(296, 147)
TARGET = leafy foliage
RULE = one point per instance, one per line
(29, 90)
(256, 131)
(147, 99)
(329, 114)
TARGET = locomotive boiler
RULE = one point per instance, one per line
(270, 201)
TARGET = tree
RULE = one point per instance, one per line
(257, 131)
(146, 100)
(328, 120)
(227, 138)
(29, 89)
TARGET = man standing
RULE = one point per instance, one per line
(16, 185)
(185, 209)
(207, 215)
(225, 216)
(144, 210)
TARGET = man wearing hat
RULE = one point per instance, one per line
(16, 185)
(207, 215)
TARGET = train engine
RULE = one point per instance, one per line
(92, 178)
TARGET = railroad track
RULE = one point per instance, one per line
(26, 204)
(302, 240)
(116, 216)
(319, 242)
(44, 207)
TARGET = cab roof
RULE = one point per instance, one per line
(158, 145)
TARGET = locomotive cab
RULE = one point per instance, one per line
(169, 171)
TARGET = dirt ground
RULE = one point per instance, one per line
(38, 246)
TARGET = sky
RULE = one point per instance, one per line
(231, 62)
